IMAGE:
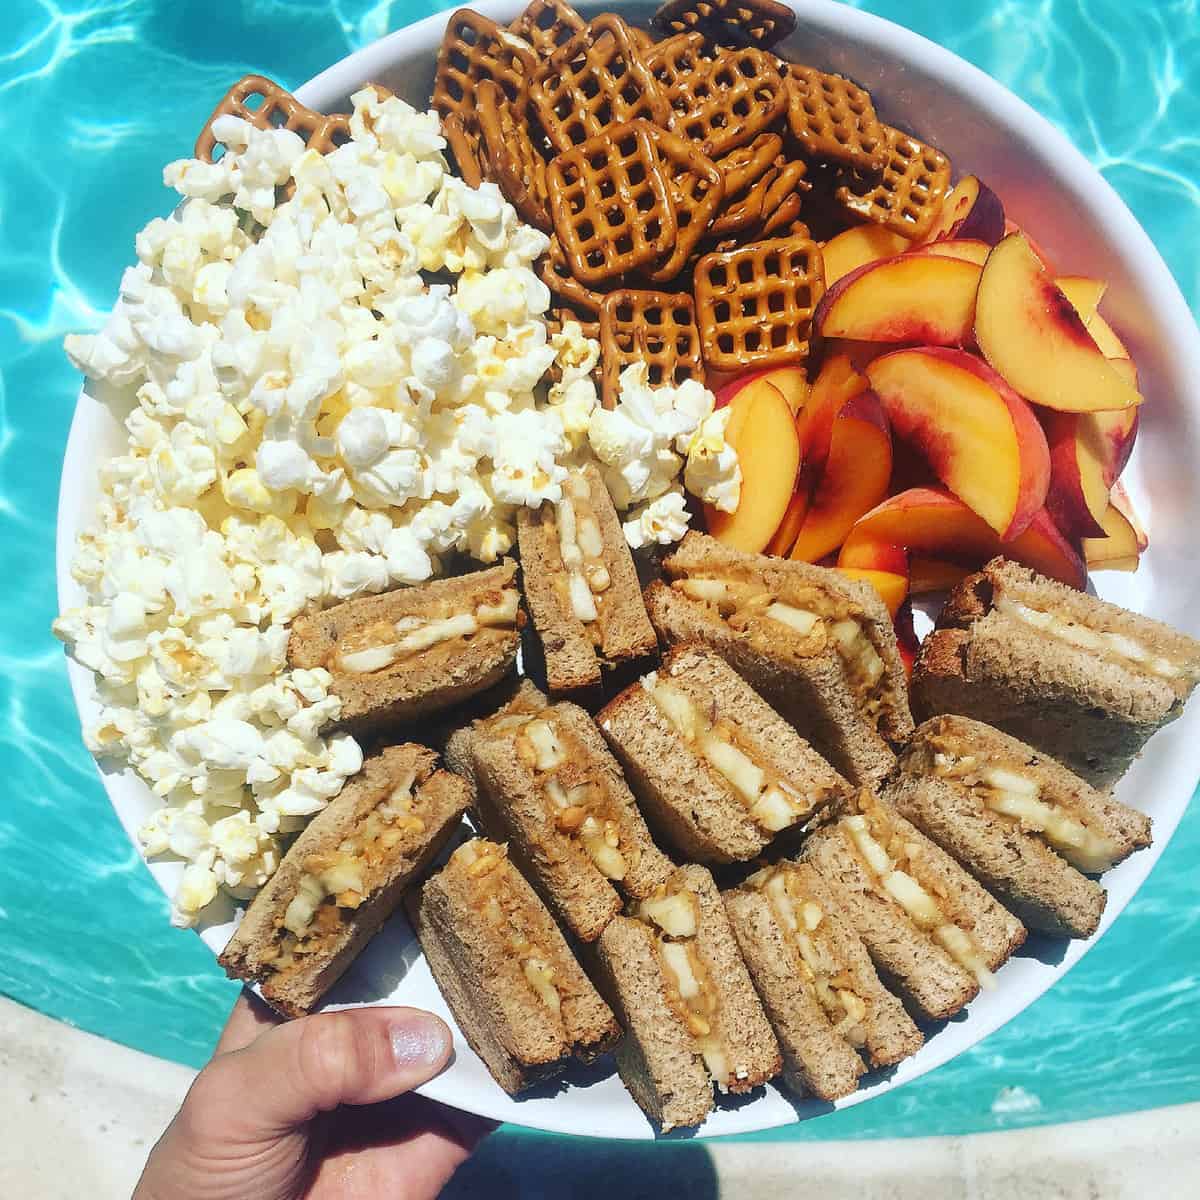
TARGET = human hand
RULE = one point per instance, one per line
(314, 1108)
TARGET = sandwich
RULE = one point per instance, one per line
(1026, 827)
(581, 586)
(1084, 681)
(817, 646)
(414, 651)
(545, 782)
(822, 996)
(935, 935)
(344, 876)
(716, 770)
(672, 970)
(517, 993)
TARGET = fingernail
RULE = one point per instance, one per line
(419, 1042)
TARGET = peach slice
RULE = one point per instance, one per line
(926, 299)
(981, 439)
(972, 210)
(1106, 339)
(868, 555)
(784, 538)
(1118, 548)
(968, 249)
(1013, 227)
(859, 353)
(1087, 453)
(934, 574)
(1084, 293)
(836, 382)
(850, 481)
(791, 381)
(1122, 503)
(1031, 334)
(1126, 368)
(762, 430)
(930, 522)
(857, 246)
(906, 637)
(892, 588)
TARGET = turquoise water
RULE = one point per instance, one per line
(97, 95)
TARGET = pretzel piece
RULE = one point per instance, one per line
(834, 119)
(611, 205)
(759, 23)
(697, 191)
(554, 271)
(548, 24)
(509, 156)
(657, 328)
(908, 196)
(754, 305)
(746, 209)
(475, 48)
(599, 78)
(463, 145)
(741, 167)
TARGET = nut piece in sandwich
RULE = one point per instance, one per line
(818, 647)
(581, 585)
(717, 771)
(344, 876)
(1084, 681)
(935, 935)
(822, 996)
(673, 972)
(414, 651)
(516, 991)
(546, 783)
(1021, 823)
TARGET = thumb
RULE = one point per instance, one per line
(291, 1073)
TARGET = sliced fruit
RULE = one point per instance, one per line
(972, 210)
(784, 538)
(969, 250)
(1087, 453)
(1084, 293)
(1122, 503)
(874, 556)
(857, 246)
(836, 383)
(934, 574)
(1106, 339)
(906, 637)
(1117, 549)
(892, 588)
(791, 381)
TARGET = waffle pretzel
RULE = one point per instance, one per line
(509, 156)
(697, 192)
(611, 205)
(463, 145)
(908, 196)
(657, 328)
(746, 209)
(754, 305)
(547, 24)
(554, 271)
(599, 78)
(782, 218)
(741, 167)
(759, 23)
(278, 109)
(475, 48)
(834, 119)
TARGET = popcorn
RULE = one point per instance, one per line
(662, 521)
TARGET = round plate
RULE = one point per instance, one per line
(1048, 188)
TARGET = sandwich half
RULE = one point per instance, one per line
(414, 651)
(822, 996)
(716, 770)
(516, 991)
(344, 876)
(817, 646)
(1085, 681)
(581, 585)
(673, 973)
(1022, 824)
(935, 934)
(546, 783)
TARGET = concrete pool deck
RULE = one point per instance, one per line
(81, 1114)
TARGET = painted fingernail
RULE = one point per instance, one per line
(419, 1041)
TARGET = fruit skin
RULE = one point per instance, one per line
(762, 430)
(791, 382)
(784, 538)
(857, 246)
(930, 522)
(1030, 333)
(1088, 451)
(972, 210)
(979, 437)
(916, 298)
(1124, 505)
(892, 588)
(906, 637)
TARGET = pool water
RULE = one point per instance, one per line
(97, 95)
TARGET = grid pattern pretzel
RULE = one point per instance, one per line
(724, 101)
(548, 24)
(754, 305)
(834, 119)
(599, 78)
(657, 328)
(745, 210)
(475, 48)
(277, 109)
(463, 145)
(908, 196)
(741, 167)
(554, 271)
(509, 156)
(611, 205)
(759, 23)
(697, 192)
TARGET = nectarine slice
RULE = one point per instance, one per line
(934, 575)
(981, 439)
(857, 246)
(784, 538)
(892, 588)
(972, 210)
(791, 381)
(868, 555)
(837, 382)
(1031, 334)
(1117, 548)
(971, 250)
(1087, 453)
(1124, 505)
(1106, 338)
(1084, 293)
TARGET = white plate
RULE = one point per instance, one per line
(1049, 188)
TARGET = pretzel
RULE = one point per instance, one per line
(754, 305)
(741, 167)
(657, 328)
(643, 39)
(475, 48)
(611, 205)
(908, 196)
(463, 145)
(783, 218)
(555, 272)
(759, 23)
(834, 119)
(597, 79)
(720, 101)
(745, 210)
(547, 24)
(697, 191)
(510, 157)
(279, 109)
